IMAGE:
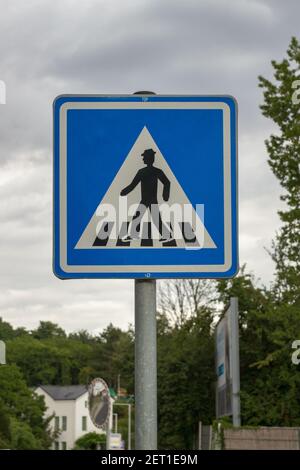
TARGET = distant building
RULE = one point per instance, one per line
(69, 404)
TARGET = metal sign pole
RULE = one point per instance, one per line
(145, 359)
(145, 365)
(108, 434)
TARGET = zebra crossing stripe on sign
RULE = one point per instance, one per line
(145, 207)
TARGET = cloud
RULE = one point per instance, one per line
(53, 47)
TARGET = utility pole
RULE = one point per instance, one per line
(145, 365)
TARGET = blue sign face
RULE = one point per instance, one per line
(145, 186)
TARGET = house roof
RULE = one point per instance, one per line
(64, 392)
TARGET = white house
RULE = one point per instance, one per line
(69, 404)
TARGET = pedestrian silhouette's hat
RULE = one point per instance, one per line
(148, 153)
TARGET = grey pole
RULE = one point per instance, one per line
(200, 435)
(108, 435)
(235, 361)
(145, 365)
(129, 427)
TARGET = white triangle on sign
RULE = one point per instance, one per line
(112, 218)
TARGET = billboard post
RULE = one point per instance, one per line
(235, 361)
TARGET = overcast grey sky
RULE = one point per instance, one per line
(50, 47)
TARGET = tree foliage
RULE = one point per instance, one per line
(269, 380)
(91, 441)
(281, 104)
(22, 422)
(185, 361)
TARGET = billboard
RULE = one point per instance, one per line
(2, 352)
(227, 364)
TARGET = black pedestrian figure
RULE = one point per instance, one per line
(148, 177)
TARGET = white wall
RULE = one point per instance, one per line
(61, 408)
(74, 410)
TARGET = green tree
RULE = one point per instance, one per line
(22, 437)
(281, 104)
(55, 360)
(5, 429)
(269, 381)
(113, 355)
(83, 336)
(185, 381)
(28, 429)
(47, 329)
(185, 361)
(91, 441)
(6, 330)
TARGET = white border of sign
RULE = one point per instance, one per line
(82, 269)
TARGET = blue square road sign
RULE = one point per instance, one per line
(145, 186)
